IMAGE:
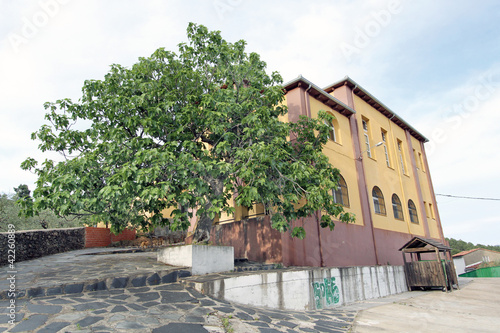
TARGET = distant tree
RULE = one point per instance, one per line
(46, 219)
(186, 132)
(458, 246)
(22, 191)
(3, 212)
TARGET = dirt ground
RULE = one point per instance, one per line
(473, 308)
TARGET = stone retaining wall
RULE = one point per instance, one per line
(33, 244)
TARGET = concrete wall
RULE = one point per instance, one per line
(307, 289)
(202, 259)
(38, 243)
(459, 265)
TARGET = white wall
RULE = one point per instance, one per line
(459, 265)
(307, 289)
(202, 259)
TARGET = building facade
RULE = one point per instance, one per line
(470, 260)
(385, 182)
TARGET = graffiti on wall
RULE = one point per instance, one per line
(326, 292)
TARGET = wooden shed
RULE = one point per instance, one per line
(434, 269)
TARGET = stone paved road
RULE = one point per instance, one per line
(87, 270)
(161, 308)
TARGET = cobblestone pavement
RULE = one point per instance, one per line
(161, 308)
(114, 290)
(87, 270)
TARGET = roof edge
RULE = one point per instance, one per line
(463, 253)
(354, 85)
(319, 94)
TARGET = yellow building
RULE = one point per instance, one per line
(385, 182)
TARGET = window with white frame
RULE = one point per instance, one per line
(401, 156)
(331, 131)
(367, 144)
(366, 134)
(386, 151)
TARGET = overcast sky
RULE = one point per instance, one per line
(435, 63)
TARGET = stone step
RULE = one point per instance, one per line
(131, 281)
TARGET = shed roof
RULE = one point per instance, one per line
(419, 244)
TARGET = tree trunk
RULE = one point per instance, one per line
(203, 227)
(204, 223)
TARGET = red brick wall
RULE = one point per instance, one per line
(127, 234)
(101, 237)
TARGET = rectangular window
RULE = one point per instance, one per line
(426, 209)
(431, 208)
(417, 162)
(401, 158)
(367, 143)
(387, 157)
(384, 140)
(421, 161)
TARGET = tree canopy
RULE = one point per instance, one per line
(22, 191)
(190, 131)
(460, 245)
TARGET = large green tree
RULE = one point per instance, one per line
(189, 131)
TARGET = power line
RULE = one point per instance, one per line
(461, 197)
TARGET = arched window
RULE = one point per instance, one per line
(340, 194)
(378, 201)
(413, 212)
(397, 208)
(332, 135)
